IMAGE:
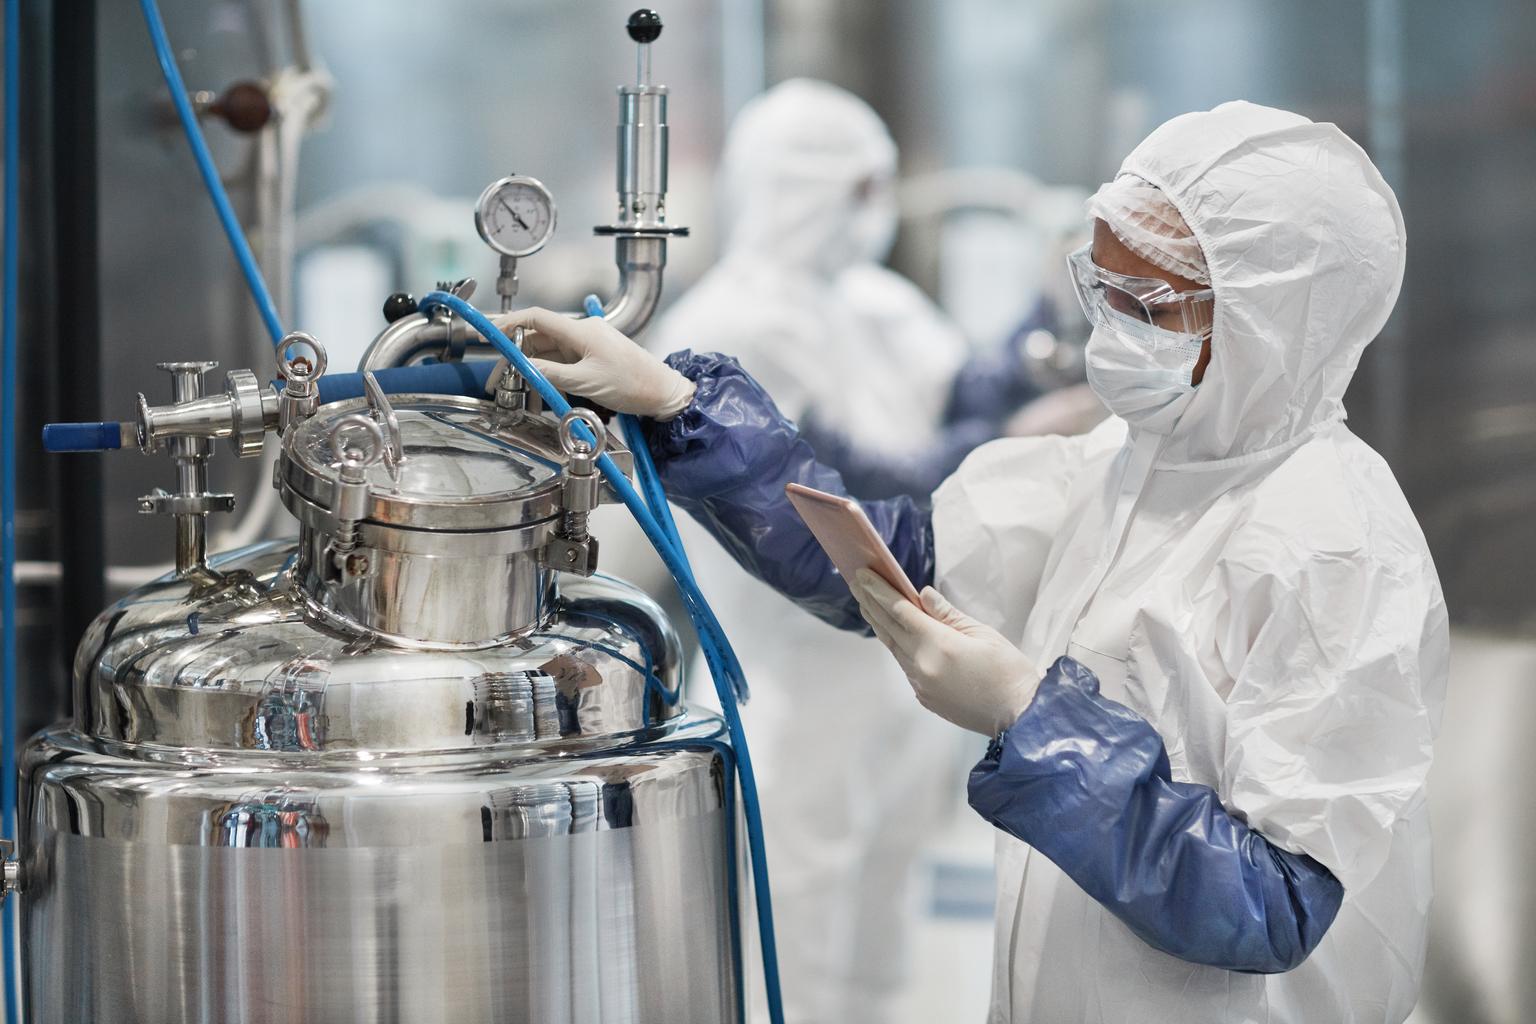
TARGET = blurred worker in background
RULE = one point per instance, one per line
(1211, 803)
(854, 775)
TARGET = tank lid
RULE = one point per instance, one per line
(461, 469)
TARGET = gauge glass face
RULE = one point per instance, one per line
(516, 216)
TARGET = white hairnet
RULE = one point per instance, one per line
(1150, 226)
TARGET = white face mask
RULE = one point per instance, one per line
(1142, 373)
(873, 230)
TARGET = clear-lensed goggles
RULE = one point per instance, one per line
(1150, 300)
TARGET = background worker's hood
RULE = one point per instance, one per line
(1306, 247)
(794, 160)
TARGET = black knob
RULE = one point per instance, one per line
(245, 106)
(644, 25)
(400, 304)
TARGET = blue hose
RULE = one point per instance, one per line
(730, 684)
(8, 364)
(210, 172)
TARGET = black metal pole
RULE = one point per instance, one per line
(77, 345)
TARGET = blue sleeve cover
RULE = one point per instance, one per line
(1085, 781)
(725, 460)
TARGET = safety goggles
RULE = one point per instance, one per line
(1150, 300)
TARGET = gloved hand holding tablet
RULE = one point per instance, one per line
(849, 538)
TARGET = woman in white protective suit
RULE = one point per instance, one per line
(1211, 804)
(853, 775)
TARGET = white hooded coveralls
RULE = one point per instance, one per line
(1252, 583)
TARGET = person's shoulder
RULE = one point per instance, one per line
(1020, 460)
(1331, 503)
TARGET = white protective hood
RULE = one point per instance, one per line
(799, 295)
(1253, 583)
(788, 178)
(1305, 244)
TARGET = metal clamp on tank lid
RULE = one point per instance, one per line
(301, 374)
(574, 549)
(511, 390)
(357, 442)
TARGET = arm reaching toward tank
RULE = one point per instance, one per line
(725, 460)
(724, 452)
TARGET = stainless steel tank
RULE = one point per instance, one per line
(401, 770)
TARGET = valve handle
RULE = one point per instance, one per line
(86, 437)
(644, 26)
(399, 306)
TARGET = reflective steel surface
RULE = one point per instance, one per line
(263, 817)
(459, 470)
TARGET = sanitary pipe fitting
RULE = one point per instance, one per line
(10, 870)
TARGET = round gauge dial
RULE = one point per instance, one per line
(516, 215)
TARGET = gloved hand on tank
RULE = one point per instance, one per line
(587, 357)
(961, 670)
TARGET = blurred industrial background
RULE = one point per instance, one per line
(411, 108)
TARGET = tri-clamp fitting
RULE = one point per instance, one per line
(573, 548)
(175, 430)
(187, 428)
(10, 870)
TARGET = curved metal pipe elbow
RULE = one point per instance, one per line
(411, 336)
(641, 261)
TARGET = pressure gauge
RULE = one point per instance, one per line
(516, 215)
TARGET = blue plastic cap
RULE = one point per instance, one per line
(82, 437)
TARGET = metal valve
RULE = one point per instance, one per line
(10, 870)
(357, 442)
(170, 428)
(574, 549)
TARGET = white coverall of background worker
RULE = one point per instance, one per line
(853, 775)
(1211, 805)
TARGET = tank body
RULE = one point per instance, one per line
(259, 816)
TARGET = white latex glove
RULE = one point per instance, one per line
(587, 357)
(961, 670)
